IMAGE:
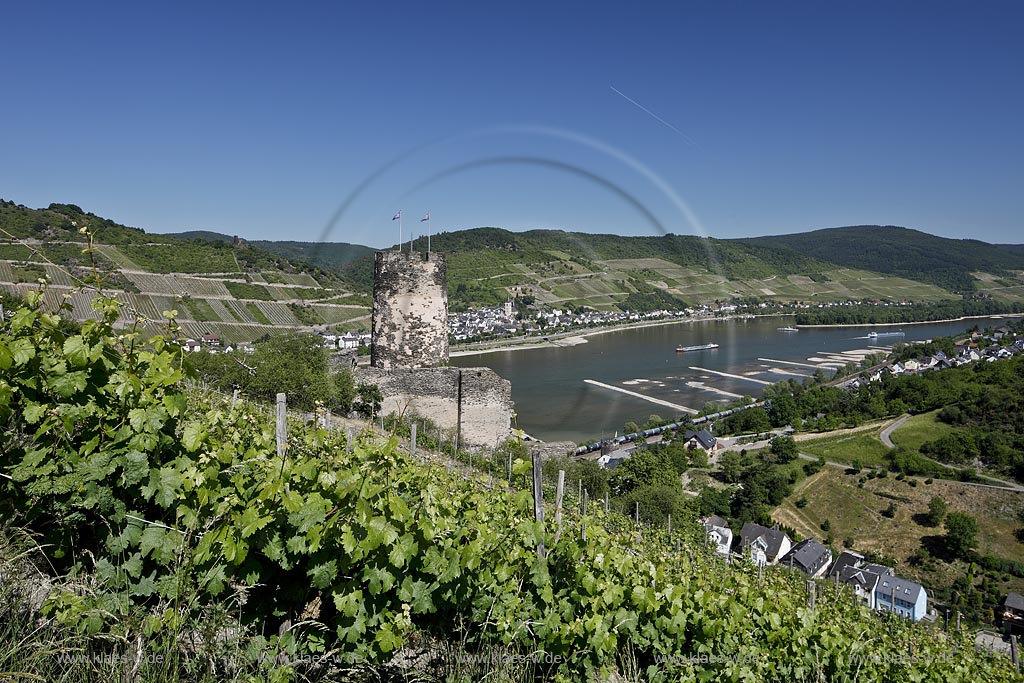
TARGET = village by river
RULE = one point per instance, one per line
(586, 391)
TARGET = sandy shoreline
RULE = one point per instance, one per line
(920, 322)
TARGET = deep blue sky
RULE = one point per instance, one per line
(261, 119)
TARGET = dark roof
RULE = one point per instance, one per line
(1014, 601)
(846, 559)
(808, 555)
(773, 537)
(905, 590)
(859, 576)
(705, 438)
(715, 520)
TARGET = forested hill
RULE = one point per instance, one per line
(328, 255)
(908, 253)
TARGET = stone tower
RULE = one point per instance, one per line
(410, 310)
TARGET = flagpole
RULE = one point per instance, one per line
(428, 235)
(399, 230)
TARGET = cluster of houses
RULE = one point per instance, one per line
(503, 320)
(211, 343)
(348, 340)
(611, 456)
(874, 584)
(978, 347)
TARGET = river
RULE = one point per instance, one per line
(554, 402)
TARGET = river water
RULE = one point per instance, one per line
(553, 401)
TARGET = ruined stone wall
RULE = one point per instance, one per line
(410, 310)
(476, 402)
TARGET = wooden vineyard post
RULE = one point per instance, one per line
(538, 498)
(412, 442)
(637, 513)
(349, 434)
(282, 424)
(811, 594)
(234, 397)
(606, 508)
(281, 427)
(583, 523)
(559, 496)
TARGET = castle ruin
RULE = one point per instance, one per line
(409, 354)
(410, 310)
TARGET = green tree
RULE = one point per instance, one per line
(657, 502)
(643, 468)
(936, 511)
(961, 534)
(784, 449)
(732, 466)
(714, 502)
(369, 400)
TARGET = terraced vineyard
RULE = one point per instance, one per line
(211, 288)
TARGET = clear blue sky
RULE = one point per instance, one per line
(261, 119)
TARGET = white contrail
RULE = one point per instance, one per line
(651, 113)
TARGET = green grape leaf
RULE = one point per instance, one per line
(193, 436)
(23, 350)
(76, 350)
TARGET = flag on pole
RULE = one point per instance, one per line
(425, 218)
(397, 216)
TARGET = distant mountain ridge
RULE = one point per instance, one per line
(308, 283)
(909, 253)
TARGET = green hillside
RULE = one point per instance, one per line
(963, 266)
(239, 289)
(327, 255)
(238, 292)
(610, 272)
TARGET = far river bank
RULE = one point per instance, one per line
(575, 337)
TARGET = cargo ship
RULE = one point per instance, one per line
(885, 334)
(699, 347)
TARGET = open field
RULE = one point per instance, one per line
(919, 429)
(1005, 287)
(861, 446)
(846, 445)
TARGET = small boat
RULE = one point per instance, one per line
(699, 347)
(788, 329)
